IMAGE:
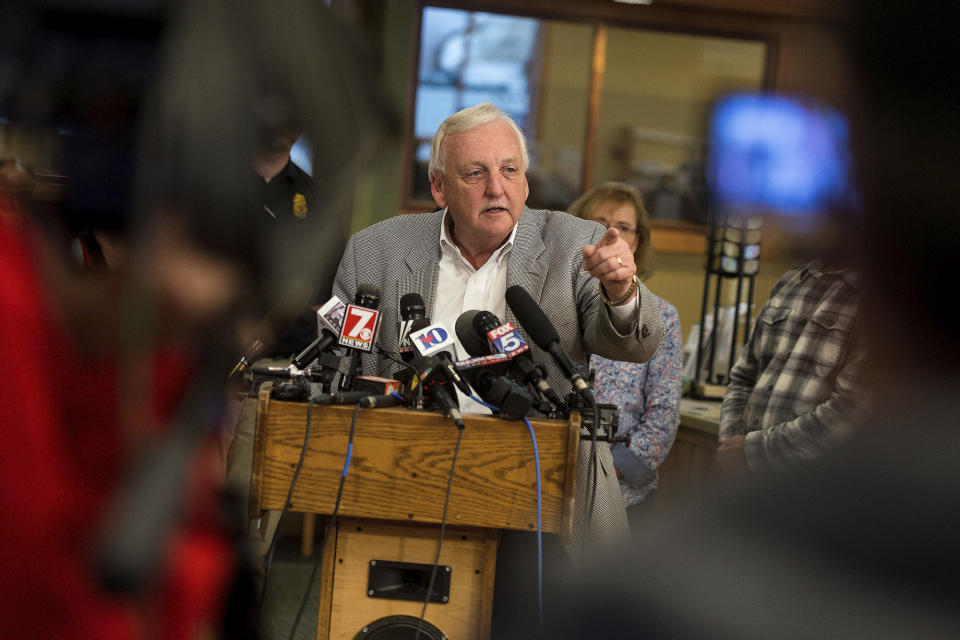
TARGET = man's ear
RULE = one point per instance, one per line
(436, 188)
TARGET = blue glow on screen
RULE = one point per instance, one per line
(778, 154)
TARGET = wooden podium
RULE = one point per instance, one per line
(392, 503)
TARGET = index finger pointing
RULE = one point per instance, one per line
(611, 236)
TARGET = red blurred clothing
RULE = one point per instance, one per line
(62, 456)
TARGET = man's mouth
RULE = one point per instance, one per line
(495, 207)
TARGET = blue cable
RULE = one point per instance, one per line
(346, 463)
(486, 404)
(536, 460)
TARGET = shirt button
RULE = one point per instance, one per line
(770, 388)
(476, 281)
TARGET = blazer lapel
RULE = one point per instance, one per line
(423, 262)
(525, 267)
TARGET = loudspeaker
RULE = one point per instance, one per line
(376, 574)
(400, 628)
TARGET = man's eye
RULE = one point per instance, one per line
(510, 170)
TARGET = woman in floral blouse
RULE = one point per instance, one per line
(648, 394)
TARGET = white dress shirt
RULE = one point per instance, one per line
(461, 287)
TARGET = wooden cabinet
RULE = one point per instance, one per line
(690, 467)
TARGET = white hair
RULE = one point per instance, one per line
(467, 119)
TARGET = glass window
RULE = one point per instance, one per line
(654, 107)
(652, 97)
(467, 57)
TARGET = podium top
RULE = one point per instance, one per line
(401, 462)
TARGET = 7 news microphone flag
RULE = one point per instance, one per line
(361, 320)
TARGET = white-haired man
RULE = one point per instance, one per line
(484, 240)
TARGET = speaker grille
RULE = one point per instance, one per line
(399, 628)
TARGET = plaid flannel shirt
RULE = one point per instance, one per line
(794, 390)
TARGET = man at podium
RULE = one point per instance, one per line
(484, 240)
(465, 256)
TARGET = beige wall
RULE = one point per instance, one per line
(666, 82)
(564, 92)
(377, 196)
(649, 92)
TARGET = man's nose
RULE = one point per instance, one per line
(495, 185)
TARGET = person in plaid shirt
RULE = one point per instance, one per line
(794, 391)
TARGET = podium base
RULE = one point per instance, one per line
(355, 600)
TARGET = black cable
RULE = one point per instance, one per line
(386, 354)
(593, 471)
(330, 522)
(268, 561)
(443, 527)
(417, 398)
(346, 383)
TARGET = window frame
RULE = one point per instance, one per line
(673, 17)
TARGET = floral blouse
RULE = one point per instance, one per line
(648, 397)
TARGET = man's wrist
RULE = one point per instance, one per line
(623, 299)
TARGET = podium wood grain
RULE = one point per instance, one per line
(401, 462)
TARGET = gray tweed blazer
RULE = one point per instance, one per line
(401, 255)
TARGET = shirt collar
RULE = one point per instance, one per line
(284, 174)
(818, 269)
(448, 245)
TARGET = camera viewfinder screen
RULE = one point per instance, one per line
(777, 154)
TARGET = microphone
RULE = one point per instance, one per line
(343, 397)
(471, 341)
(273, 374)
(432, 374)
(412, 306)
(543, 333)
(485, 374)
(309, 374)
(504, 338)
(373, 402)
(435, 340)
(359, 331)
(248, 358)
(413, 317)
(329, 322)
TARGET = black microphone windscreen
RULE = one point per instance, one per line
(368, 295)
(412, 306)
(484, 322)
(531, 316)
(468, 336)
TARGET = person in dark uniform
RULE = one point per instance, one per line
(288, 190)
(288, 194)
